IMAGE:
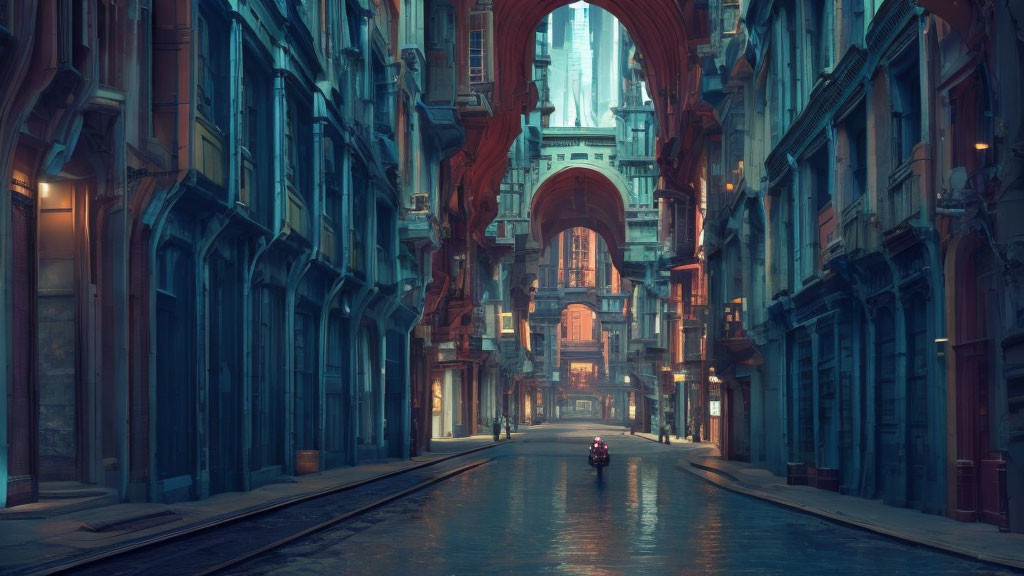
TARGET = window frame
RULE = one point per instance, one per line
(481, 24)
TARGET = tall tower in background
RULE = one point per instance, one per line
(585, 67)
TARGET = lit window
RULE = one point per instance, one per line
(479, 46)
(435, 394)
(506, 323)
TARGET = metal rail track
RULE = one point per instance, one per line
(225, 542)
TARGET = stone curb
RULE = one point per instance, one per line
(724, 480)
(215, 520)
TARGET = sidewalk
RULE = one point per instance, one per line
(979, 541)
(30, 535)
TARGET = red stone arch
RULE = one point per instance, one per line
(665, 31)
(579, 197)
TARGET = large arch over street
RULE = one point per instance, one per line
(581, 196)
(672, 77)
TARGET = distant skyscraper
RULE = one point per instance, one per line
(584, 72)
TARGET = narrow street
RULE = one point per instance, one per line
(274, 273)
(537, 508)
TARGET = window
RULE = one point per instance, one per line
(382, 100)
(257, 151)
(905, 81)
(107, 21)
(582, 375)
(819, 36)
(291, 143)
(249, 115)
(792, 76)
(435, 396)
(385, 257)
(211, 61)
(857, 166)
(855, 8)
(506, 323)
(479, 47)
(299, 144)
(730, 17)
(354, 17)
(820, 170)
(205, 87)
(580, 272)
(357, 228)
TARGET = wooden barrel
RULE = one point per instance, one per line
(307, 462)
(796, 474)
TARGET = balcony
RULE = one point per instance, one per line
(502, 232)
(295, 215)
(328, 240)
(634, 214)
(855, 231)
(732, 326)
(902, 199)
(442, 127)
(735, 337)
(580, 346)
(577, 278)
(208, 151)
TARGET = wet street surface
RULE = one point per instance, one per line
(538, 508)
(201, 551)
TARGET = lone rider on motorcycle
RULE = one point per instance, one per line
(599, 445)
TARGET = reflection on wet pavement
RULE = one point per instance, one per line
(538, 508)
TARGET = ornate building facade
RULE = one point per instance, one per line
(244, 240)
(217, 223)
(861, 183)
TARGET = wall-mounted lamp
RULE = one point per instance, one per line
(729, 186)
(940, 347)
(44, 189)
(981, 145)
(625, 379)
